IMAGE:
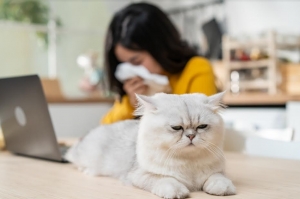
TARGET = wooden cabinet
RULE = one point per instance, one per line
(290, 78)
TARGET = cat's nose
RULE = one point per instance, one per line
(191, 136)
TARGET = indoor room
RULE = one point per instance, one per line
(149, 99)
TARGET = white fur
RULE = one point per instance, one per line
(149, 154)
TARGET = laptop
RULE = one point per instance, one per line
(25, 120)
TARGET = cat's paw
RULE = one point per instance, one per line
(220, 187)
(89, 172)
(170, 188)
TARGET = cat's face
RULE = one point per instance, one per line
(189, 124)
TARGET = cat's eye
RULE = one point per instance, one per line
(177, 128)
(202, 126)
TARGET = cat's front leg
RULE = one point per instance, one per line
(218, 184)
(165, 187)
(169, 188)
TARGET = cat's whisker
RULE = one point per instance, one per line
(177, 146)
(218, 153)
(221, 157)
(166, 153)
(212, 149)
(171, 153)
(212, 152)
(216, 149)
(215, 146)
(169, 159)
(165, 162)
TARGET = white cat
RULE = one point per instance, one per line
(175, 148)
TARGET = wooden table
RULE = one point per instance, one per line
(26, 178)
(254, 99)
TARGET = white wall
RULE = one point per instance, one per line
(76, 120)
(80, 15)
(20, 53)
(253, 16)
(175, 4)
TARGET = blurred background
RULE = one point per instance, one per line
(253, 46)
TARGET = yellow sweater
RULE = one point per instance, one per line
(197, 77)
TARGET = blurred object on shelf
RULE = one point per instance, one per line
(253, 54)
(93, 80)
(240, 55)
(258, 54)
(2, 144)
(256, 73)
(290, 73)
(52, 88)
(235, 79)
(284, 60)
(239, 78)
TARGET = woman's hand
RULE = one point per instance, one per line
(132, 86)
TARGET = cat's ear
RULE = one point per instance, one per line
(215, 101)
(144, 104)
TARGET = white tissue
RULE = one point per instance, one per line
(127, 71)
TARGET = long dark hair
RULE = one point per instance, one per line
(142, 26)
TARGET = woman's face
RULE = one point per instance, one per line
(138, 58)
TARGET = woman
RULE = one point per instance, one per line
(143, 35)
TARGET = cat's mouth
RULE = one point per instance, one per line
(191, 144)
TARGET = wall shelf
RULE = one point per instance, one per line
(256, 84)
(236, 65)
(271, 42)
(234, 44)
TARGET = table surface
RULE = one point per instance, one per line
(254, 177)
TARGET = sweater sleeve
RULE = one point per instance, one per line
(121, 110)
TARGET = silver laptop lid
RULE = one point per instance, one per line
(25, 119)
